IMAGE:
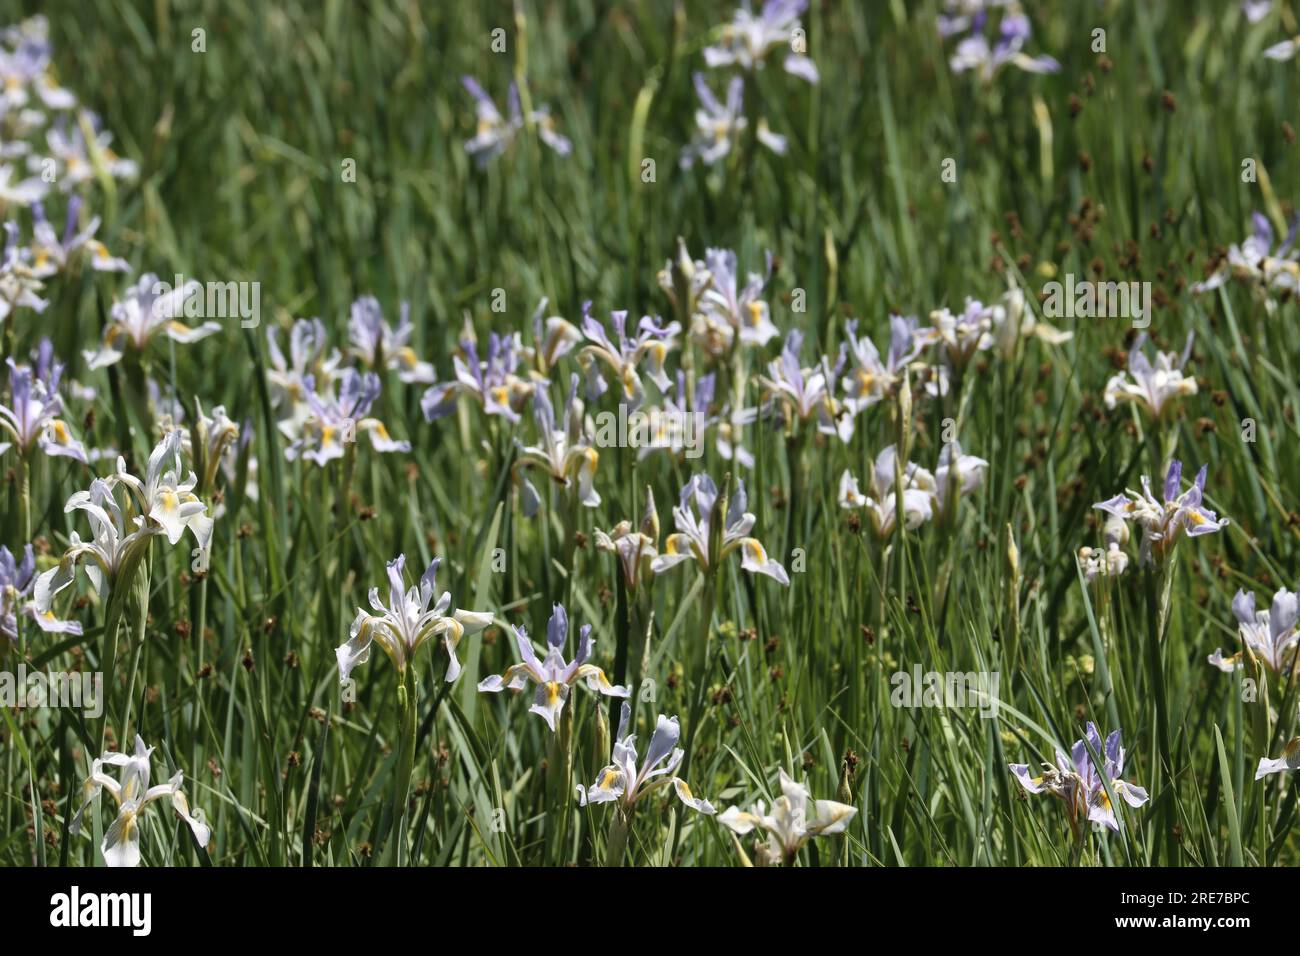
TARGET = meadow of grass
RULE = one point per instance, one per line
(905, 187)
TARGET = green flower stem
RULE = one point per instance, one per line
(406, 700)
(620, 825)
(640, 617)
(569, 546)
(623, 619)
(794, 457)
(559, 774)
(25, 500)
(336, 620)
(700, 664)
(345, 486)
(138, 594)
(1158, 582)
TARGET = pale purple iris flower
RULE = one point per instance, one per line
(25, 69)
(692, 540)
(553, 675)
(975, 53)
(719, 125)
(163, 503)
(564, 452)
(958, 15)
(1152, 386)
(881, 498)
(378, 345)
(493, 382)
(16, 581)
(627, 779)
(635, 549)
(32, 418)
(410, 618)
(20, 192)
(310, 357)
(807, 393)
(748, 40)
(1077, 781)
(727, 309)
(794, 819)
(683, 419)
(77, 159)
(1164, 520)
(681, 415)
(1256, 10)
(960, 335)
(19, 285)
(956, 474)
(872, 379)
(1257, 263)
(495, 133)
(149, 309)
(332, 422)
(52, 253)
(622, 362)
(553, 338)
(131, 794)
(1270, 634)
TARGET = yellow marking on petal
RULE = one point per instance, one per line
(755, 310)
(552, 692)
(607, 781)
(169, 500)
(755, 550)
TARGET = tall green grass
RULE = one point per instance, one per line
(242, 148)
